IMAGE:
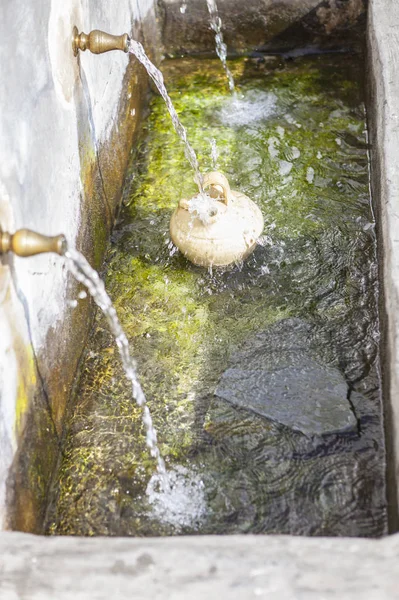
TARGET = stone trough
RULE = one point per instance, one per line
(67, 129)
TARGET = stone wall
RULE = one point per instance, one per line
(263, 25)
(383, 44)
(67, 126)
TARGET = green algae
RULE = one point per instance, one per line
(306, 167)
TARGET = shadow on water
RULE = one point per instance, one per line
(298, 321)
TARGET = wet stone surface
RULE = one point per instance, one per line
(302, 307)
(286, 384)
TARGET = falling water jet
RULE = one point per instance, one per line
(221, 48)
(85, 274)
(137, 49)
(99, 42)
(29, 243)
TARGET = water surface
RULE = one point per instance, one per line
(294, 141)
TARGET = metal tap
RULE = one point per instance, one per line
(98, 41)
(25, 242)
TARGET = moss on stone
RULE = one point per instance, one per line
(26, 383)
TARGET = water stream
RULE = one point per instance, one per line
(221, 48)
(85, 274)
(137, 49)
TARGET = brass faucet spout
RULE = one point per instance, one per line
(28, 243)
(98, 41)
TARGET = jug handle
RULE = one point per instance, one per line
(218, 180)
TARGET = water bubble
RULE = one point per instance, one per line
(172, 249)
(310, 175)
(265, 240)
(280, 130)
(368, 226)
(272, 143)
(285, 167)
(290, 119)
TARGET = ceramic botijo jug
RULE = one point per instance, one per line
(224, 233)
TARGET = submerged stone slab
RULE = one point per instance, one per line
(311, 399)
(276, 376)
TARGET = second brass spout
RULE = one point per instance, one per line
(28, 243)
(98, 41)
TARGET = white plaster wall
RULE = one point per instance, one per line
(40, 188)
(110, 18)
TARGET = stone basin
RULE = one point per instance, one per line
(67, 180)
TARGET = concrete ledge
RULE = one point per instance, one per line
(383, 50)
(197, 568)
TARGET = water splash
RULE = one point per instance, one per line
(247, 109)
(85, 274)
(214, 154)
(285, 167)
(221, 48)
(204, 207)
(137, 49)
(184, 504)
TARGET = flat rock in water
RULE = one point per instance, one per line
(288, 386)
